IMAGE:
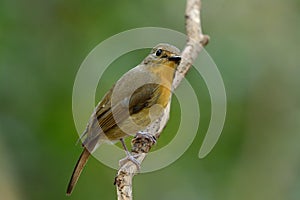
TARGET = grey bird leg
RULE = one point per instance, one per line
(129, 157)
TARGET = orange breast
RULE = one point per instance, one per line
(166, 74)
(165, 96)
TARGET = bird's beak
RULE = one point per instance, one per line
(176, 59)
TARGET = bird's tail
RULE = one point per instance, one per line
(78, 169)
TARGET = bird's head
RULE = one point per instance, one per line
(164, 54)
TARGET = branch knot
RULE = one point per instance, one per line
(142, 143)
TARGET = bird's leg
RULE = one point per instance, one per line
(129, 156)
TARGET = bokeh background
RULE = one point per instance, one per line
(255, 45)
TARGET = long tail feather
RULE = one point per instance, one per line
(78, 169)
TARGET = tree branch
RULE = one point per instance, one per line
(143, 141)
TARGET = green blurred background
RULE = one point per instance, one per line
(255, 45)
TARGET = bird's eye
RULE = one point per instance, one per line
(158, 52)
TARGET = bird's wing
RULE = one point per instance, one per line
(144, 97)
(90, 132)
(107, 116)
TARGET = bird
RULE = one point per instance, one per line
(137, 99)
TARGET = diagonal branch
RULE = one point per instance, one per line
(143, 141)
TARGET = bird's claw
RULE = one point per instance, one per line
(132, 159)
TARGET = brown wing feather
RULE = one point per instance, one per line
(143, 97)
(107, 117)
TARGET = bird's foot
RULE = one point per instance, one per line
(147, 136)
(131, 158)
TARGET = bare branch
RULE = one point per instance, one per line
(143, 141)
(195, 39)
